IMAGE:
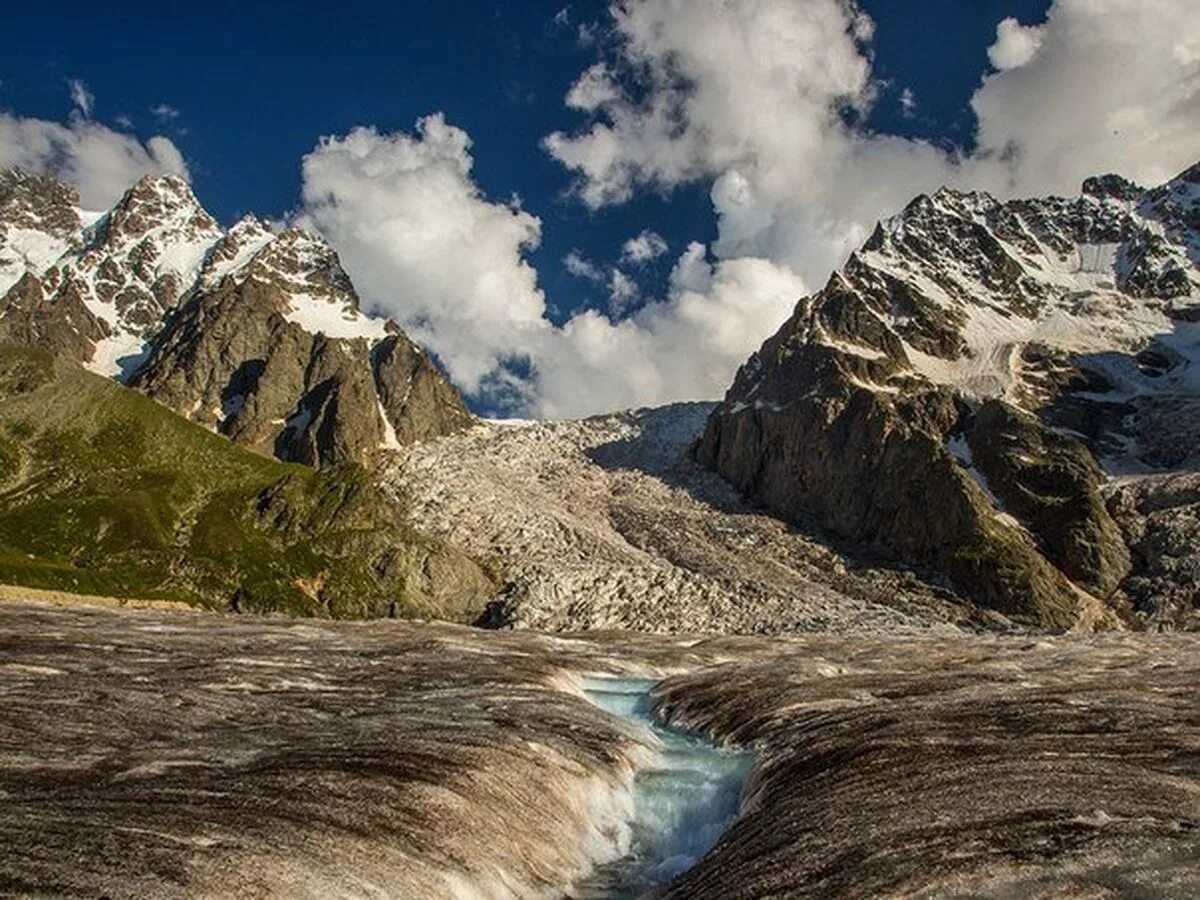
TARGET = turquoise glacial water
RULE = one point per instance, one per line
(683, 802)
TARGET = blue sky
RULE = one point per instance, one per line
(256, 84)
(761, 139)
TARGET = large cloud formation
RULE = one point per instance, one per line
(753, 95)
(425, 246)
(101, 162)
(1108, 86)
(423, 243)
(760, 100)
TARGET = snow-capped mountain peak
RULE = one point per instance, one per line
(130, 265)
(256, 332)
(1058, 337)
(40, 221)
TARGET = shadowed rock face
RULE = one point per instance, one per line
(1160, 518)
(415, 396)
(60, 324)
(873, 467)
(237, 358)
(1051, 482)
(152, 754)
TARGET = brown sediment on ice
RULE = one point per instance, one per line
(144, 753)
(148, 754)
(951, 767)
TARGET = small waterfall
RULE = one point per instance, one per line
(683, 802)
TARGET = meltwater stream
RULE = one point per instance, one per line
(683, 801)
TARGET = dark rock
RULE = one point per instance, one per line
(1114, 186)
(59, 323)
(28, 200)
(416, 397)
(1160, 518)
(843, 416)
(1052, 485)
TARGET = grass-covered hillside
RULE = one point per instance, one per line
(103, 491)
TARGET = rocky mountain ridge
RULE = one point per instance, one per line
(254, 332)
(961, 392)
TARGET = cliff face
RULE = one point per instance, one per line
(950, 395)
(253, 333)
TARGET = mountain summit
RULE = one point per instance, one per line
(960, 392)
(253, 332)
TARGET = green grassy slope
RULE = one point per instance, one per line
(103, 491)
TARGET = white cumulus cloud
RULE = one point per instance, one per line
(688, 345)
(622, 291)
(750, 95)
(82, 98)
(164, 112)
(593, 89)
(581, 267)
(757, 100)
(1113, 87)
(647, 246)
(424, 245)
(100, 162)
(1015, 44)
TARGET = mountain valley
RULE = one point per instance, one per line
(910, 612)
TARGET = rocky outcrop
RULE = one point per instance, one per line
(874, 467)
(244, 357)
(40, 220)
(60, 324)
(254, 333)
(888, 409)
(417, 400)
(232, 360)
(1052, 484)
(1160, 518)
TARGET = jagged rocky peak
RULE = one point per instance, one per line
(236, 247)
(159, 205)
(959, 393)
(127, 266)
(256, 332)
(272, 349)
(146, 252)
(38, 202)
(40, 220)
